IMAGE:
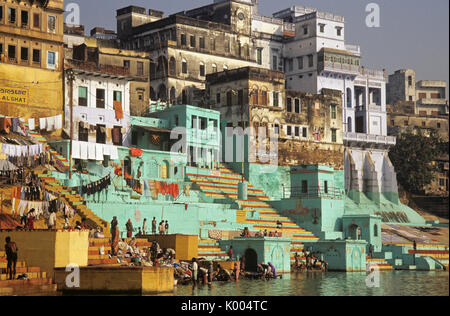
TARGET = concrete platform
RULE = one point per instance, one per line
(118, 280)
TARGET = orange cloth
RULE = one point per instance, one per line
(136, 152)
(118, 171)
(118, 109)
(5, 124)
(158, 187)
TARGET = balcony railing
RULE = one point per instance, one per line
(338, 67)
(367, 138)
(313, 192)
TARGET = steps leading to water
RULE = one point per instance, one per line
(223, 184)
(36, 278)
(74, 200)
(100, 250)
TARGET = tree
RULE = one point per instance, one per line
(413, 158)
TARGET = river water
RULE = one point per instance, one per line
(396, 283)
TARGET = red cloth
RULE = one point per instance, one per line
(185, 207)
(136, 152)
(118, 171)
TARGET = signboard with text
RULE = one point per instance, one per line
(14, 95)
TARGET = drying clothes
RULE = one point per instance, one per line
(22, 206)
(114, 153)
(116, 135)
(99, 152)
(76, 149)
(118, 109)
(58, 121)
(106, 150)
(5, 125)
(136, 152)
(50, 123)
(43, 123)
(96, 186)
(31, 124)
(83, 150)
(15, 124)
(91, 151)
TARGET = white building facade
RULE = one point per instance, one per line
(101, 107)
(318, 57)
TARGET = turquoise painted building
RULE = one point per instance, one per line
(180, 144)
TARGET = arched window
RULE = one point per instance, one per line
(172, 66)
(349, 125)
(162, 92)
(225, 67)
(375, 230)
(184, 66)
(202, 69)
(164, 170)
(162, 64)
(152, 94)
(214, 68)
(173, 95)
(184, 97)
(349, 97)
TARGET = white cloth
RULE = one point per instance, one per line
(76, 149)
(83, 150)
(42, 123)
(91, 151)
(107, 150)
(58, 121)
(31, 124)
(22, 206)
(99, 152)
(50, 123)
(114, 153)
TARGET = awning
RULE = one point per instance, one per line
(154, 129)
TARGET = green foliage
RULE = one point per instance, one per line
(413, 158)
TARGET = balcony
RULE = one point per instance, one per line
(434, 101)
(432, 84)
(338, 67)
(366, 140)
(372, 73)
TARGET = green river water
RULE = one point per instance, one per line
(396, 283)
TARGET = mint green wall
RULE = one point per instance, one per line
(370, 226)
(344, 255)
(207, 139)
(268, 249)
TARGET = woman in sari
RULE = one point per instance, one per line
(114, 236)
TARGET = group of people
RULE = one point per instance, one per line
(265, 233)
(311, 261)
(163, 228)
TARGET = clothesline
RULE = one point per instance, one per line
(93, 151)
(21, 150)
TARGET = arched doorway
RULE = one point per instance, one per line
(127, 165)
(164, 170)
(251, 260)
(162, 92)
(354, 232)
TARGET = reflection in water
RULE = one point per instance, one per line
(395, 283)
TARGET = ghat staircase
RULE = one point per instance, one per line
(255, 212)
(100, 251)
(380, 263)
(37, 282)
(73, 199)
